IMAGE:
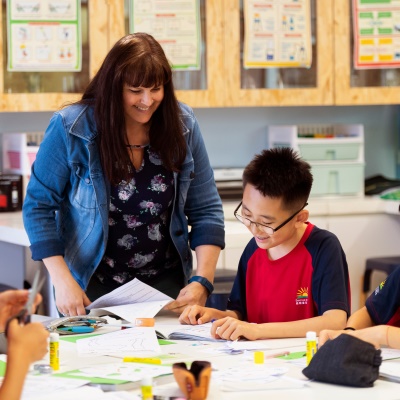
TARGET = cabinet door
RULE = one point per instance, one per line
(367, 86)
(279, 86)
(48, 91)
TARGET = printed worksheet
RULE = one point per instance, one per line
(133, 300)
(127, 342)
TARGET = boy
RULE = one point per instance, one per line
(379, 319)
(26, 344)
(292, 276)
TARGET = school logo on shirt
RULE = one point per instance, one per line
(302, 296)
(380, 287)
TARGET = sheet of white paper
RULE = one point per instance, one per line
(37, 387)
(87, 393)
(132, 292)
(389, 354)
(266, 344)
(390, 370)
(188, 332)
(132, 341)
(130, 312)
(124, 371)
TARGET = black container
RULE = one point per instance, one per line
(10, 192)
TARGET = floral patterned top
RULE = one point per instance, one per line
(139, 244)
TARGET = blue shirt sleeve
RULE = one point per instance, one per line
(330, 281)
(384, 302)
(237, 298)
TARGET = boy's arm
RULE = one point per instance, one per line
(232, 329)
(17, 368)
(360, 319)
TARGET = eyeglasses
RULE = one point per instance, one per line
(265, 228)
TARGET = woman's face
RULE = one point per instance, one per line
(140, 103)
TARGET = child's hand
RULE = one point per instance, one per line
(12, 302)
(232, 329)
(196, 315)
(30, 340)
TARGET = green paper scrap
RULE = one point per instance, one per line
(74, 338)
(293, 356)
(75, 375)
(163, 342)
(3, 366)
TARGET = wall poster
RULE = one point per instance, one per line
(376, 27)
(44, 35)
(277, 34)
(174, 24)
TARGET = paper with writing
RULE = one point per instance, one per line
(133, 300)
(127, 342)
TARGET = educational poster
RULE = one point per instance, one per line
(277, 34)
(44, 35)
(376, 26)
(174, 24)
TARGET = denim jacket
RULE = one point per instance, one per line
(66, 206)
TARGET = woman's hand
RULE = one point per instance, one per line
(12, 302)
(233, 329)
(70, 298)
(192, 294)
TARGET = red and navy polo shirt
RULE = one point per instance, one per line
(311, 279)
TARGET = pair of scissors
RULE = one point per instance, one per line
(24, 316)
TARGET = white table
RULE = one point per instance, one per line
(189, 351)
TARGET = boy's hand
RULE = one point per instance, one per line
(232, 329)
(196, 315)
(12, 302)
(328, 334)
(191, 294)
(28, 340)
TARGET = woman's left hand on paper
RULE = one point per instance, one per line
(192, 294)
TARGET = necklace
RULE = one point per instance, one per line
(137, 146)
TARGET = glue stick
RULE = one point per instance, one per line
(147, 388)
(311, 346)
(54, 351)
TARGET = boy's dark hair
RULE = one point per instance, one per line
(280, 173)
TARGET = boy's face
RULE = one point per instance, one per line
(268, 211)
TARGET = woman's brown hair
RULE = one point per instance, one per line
(136, 60)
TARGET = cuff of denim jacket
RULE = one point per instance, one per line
(46, 248)
(211, 235)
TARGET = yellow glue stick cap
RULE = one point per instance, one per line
(259, 357)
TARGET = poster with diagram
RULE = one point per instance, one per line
(174, 24)
(376, 27)
(277, 34)
(44, 35)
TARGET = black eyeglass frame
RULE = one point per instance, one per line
(257, 224)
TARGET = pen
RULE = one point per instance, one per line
(77, 329)
(142, 360)
(283, 353)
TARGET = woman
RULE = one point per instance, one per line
(118, 178)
